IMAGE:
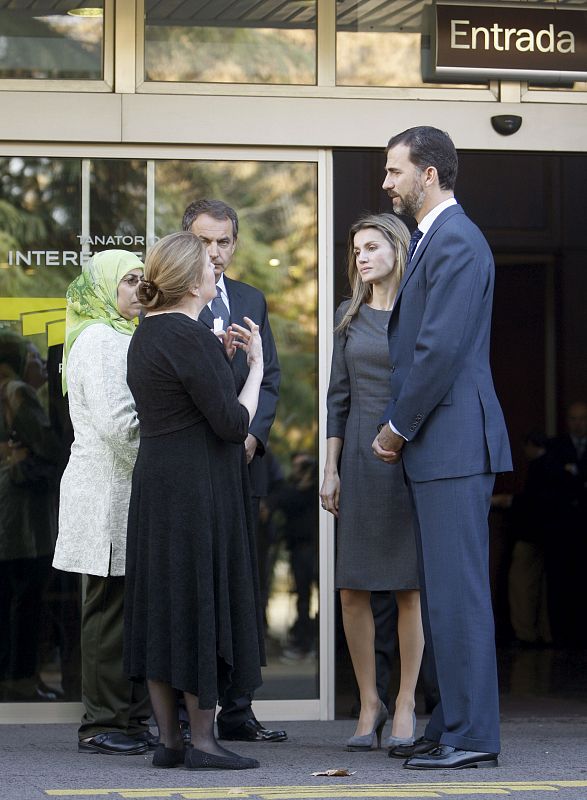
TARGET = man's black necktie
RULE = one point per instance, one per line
(414, 239)
(219, 309)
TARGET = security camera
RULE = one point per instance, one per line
(506, 124)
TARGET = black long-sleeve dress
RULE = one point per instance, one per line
(192, 615)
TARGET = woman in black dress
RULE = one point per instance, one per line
(192, 620)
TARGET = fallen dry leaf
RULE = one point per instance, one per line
(334, 773)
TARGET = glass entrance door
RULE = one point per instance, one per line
(54, 213)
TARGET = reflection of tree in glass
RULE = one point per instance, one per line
(380, 58)
(55, 47)
(39, 210)
(86, 30)
(118, 200)
(276, 204)
(230, 55)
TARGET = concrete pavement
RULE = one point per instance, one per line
(543, 758)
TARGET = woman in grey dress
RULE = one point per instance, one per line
(376, 548)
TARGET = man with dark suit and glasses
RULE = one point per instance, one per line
(216, 224)
(445, 422)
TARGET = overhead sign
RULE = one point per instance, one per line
(521, 42)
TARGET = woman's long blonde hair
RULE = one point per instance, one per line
(398, 236)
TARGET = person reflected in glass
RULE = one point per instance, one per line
(193, 619)
(95, 491)
(28, 517)
(296, 500)
(376, 548)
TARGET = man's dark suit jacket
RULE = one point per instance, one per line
(569, 487)
(563, 451)
(246, 301)
(442, 396)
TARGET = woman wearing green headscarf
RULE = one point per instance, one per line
(95, 490)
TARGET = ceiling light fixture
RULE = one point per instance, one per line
(86, 12)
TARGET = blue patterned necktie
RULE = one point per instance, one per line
(219, 309)
(414, 239)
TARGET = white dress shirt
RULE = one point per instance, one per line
(425, 224)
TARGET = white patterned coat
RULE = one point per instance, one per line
(95, 488)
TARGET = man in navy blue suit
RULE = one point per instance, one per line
(216, 223)
(445, 422)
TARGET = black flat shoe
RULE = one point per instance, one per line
(251, 731)
(421, 745)
(198, 759)
(446, 757)
(112, 744)
(166, 757)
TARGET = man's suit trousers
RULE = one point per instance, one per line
(452, 537)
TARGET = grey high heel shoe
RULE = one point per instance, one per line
(365, 742)
(398, 741)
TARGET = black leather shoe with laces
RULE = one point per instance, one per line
(421, 745)
(186, 731)
(250, 731)
(148, 737)
(446, 757)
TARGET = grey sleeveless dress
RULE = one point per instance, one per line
(376, 547)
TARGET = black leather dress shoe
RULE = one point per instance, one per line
(251, 731)
(186, 731)
(113, 744)
(446, 757)
(421, 745)
(146, 736)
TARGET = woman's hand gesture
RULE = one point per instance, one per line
(249, 341)
(228, 338)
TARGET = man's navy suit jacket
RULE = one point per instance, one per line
(442, 396)
(246, 301)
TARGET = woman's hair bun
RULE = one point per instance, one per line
(173, 265)
(147, 292)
